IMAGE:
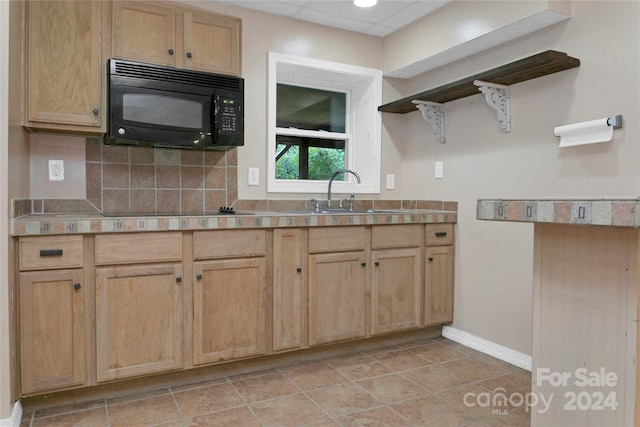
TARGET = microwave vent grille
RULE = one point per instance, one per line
(175, 75)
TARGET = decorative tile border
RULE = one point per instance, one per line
(38, 225)
(602, 212)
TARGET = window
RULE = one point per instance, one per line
(322, 117)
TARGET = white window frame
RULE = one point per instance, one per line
(362, 130)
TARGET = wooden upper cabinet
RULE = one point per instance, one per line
(65, 72)
(174, 36)
(144, 32)
(212, 43)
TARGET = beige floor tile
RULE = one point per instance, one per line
(207, 399)
(343, 399)
(460, 347)
(401, 360)
(313, 375)
(296, 410)
(391, 388)
(359, 367)
(199, 384)
(230, 417)
(434, 378)
(508, 367)
(430, 411)
(474, 369)
(59, 410)
(137, 396)
(470, 399)
(378, 417)
(438, 353)
(269, 386)
(514, 418)
(518, 382)
(154, 410)
(91, 418)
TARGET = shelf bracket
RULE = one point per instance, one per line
(497, 97)
(433, 114)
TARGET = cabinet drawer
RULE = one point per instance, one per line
(439, 234)
(395, 236)
(49, 252)
(334, 239)
(138, 248)
(229, 243)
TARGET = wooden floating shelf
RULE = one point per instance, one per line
(535, 66)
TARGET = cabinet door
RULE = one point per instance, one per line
(229, 312)
(144, 32)
(212, 43)
(288, 291)
(395, 290)
(52, 328)
(64, 64)
(438, 293)
(336, 297)
(139, 320)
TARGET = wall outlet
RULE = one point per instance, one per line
(253, 176)
(439, 170)
(56, 170)
(391, 181)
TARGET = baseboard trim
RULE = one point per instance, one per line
(498, 351)
(16, 417)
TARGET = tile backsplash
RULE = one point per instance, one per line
(144, 180)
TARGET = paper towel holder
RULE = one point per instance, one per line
(589, 132)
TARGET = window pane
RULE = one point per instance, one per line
(310, 109)
(308, 158)
(162, 110)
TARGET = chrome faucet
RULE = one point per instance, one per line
(333, 177)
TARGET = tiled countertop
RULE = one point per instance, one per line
(600, 212)
(89, 224)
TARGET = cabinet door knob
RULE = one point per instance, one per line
(299, 270)
(198, 276)
(178, 279)
(170, 51)
(95, 110)
(76, 286)
(364, 264)
(377, 264)
(430, 258)
(189, 55)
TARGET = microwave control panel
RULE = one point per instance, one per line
(229, 119)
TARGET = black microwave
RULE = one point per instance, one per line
(162, 106)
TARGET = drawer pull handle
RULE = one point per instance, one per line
(430, 258)
(299, 270)
(76, 286)
(199, 277)
(50, 252)
(441, 234)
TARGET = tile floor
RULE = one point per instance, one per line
(424, 383)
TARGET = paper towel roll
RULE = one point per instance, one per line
(584, 133)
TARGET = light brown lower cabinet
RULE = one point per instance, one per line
(52, 330)
(438, 274)
(289, 293)
(139, 320)
(229, 309)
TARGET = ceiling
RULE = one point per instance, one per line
(380, 20)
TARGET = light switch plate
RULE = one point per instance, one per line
(391, 181)
(253, 176)
(439, 170)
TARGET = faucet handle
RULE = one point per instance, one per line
(317, 204)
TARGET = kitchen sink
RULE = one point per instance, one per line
(345, 211)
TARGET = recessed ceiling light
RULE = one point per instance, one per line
(365, 3)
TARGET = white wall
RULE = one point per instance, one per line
(494, 260)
